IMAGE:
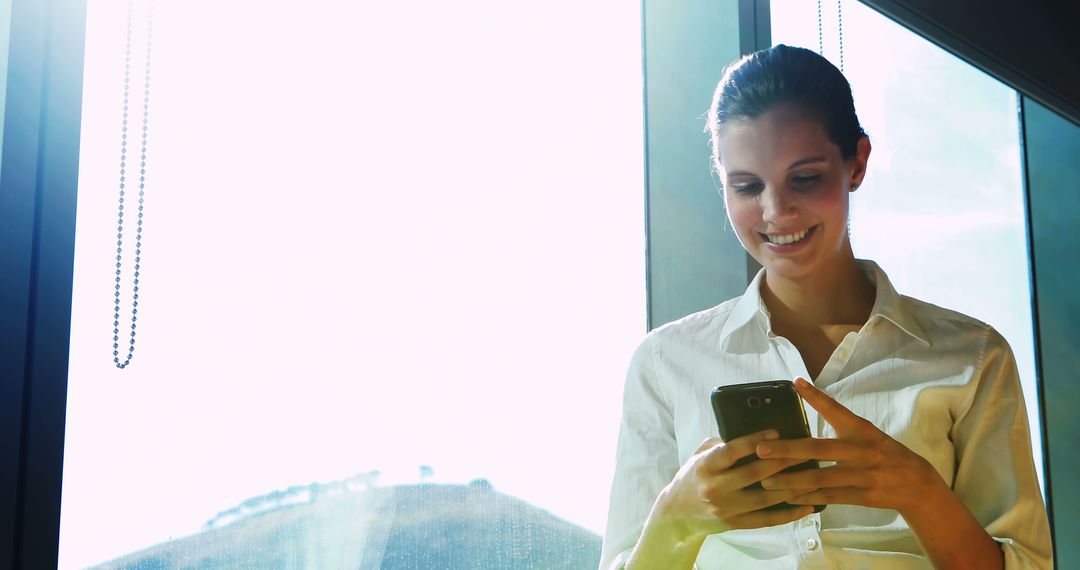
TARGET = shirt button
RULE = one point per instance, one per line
(843, 353)
(811, 544)
(809, 522)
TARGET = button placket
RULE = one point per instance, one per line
(807, 541)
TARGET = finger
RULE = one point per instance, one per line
(723, 457)
(733, 503)
(745, 475)
(840, 418)
(834, 496)
(756, 499)
(760, 519)
(814, 448)
(825, 477)
(709, 443)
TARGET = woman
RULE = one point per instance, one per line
(917, 411)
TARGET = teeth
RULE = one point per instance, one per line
(790, 238)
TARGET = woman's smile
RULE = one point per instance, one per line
(788, 242)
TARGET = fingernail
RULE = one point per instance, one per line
(772, 434)
(764, 449)
(768, 482)
(801, 382)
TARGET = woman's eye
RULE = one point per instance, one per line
(750, 188)
(806, 180)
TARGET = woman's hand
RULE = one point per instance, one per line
(872, 469)
(709, 494)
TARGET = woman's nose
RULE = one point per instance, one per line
(778, 205)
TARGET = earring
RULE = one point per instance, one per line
(855, 187)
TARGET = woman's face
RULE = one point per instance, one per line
(786, 190)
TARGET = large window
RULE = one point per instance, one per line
(392, 275)
(942, 206)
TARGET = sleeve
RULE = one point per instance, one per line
(995, 474)
(646, 456)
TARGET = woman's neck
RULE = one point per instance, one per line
(837, 295)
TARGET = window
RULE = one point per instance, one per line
(942, 206)
(393, 272)
(1052, 144)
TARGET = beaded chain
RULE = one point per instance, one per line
(820, 43)
(123, 186)
(840, 28)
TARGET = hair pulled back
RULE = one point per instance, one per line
(784, 74)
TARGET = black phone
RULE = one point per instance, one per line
(743, 409)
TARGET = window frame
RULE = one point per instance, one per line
(38, 181)
(692, 261)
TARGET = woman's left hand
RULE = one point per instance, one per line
(871, 470)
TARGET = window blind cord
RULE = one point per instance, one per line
(840, 31)
(820, 42)
(839, 27)
(123, 186)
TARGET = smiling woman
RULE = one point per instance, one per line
(918, 410)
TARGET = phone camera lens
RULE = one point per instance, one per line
(753, 402)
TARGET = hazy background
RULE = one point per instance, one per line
(378, 236)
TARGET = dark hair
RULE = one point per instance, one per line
(784, 74)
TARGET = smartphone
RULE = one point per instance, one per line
(743, 409)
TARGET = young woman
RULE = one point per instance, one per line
(917, 411)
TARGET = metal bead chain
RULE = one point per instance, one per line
(123, 186)
(840, 27)
(820, 43)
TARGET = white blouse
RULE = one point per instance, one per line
(941, 383)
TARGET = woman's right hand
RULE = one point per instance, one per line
(709, 494)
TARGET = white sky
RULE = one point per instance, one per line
(378, 235)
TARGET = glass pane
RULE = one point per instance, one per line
(392, 274)
(1053, 143)
(5, 41)
(942, 206)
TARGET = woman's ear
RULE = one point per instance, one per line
(859, 161)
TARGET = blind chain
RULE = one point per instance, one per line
(123, 187)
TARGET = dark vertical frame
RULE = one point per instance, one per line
(755, 26)
(1051, 147)
(38, 180)
(693, 260)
